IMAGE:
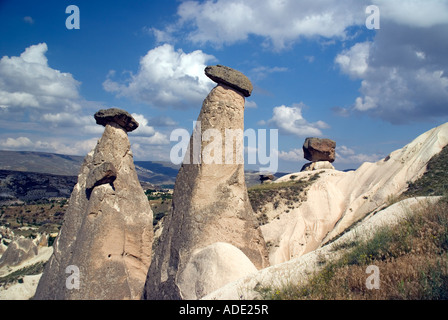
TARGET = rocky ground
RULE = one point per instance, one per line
(31, 221)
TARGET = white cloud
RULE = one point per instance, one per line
(279, 22)
(403, 71)
(49, 145)
(145, 137)
(65, 119)
(143, 128)
(27, 82)
(16, 143)
(162, 35)
(162, 121)
(293, 155)
(345, 155)
(157, 139)
(289, 120)
(310, 59)
(250, 104)
(54, 112)
(262, 72)
(414, 13)
(28, 20)
(154, 152)
(354, 61)
(345, 151)
(146, 134)
(46, 102)
(167, 78)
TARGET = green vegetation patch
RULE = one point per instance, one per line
(160, 202)
(18, 275)
(434, 181)
(292, 191)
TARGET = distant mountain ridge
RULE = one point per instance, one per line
(40, 162)
(16, 186)
(155, 172)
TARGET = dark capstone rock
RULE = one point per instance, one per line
(315, 149)
(231, 78)
(118, 116)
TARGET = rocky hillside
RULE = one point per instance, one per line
(345, 221)
(40, 162)
(154, 172)
(32, 176)
(337, 200)
(16, 186)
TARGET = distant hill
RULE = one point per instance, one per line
(40, 162)
(154, 172)
(27, 175)
(157, 172)
(16, 186)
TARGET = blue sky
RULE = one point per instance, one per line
(316, 68)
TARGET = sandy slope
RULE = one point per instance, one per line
(299, 269)
(338, 199)
(25, 290)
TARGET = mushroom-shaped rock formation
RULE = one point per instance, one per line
(103, 250)
(210, 205)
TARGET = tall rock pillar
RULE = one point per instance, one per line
(103, 250)
(211, 236)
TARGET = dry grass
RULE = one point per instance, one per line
(412, 258)
(288, 192)
(17, 275)
(435, 180)
(45, 217)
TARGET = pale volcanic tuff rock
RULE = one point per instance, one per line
(300, 270)
(337, 199)
(318, 165)
(107, 232)
(210, 206)
(18, 251)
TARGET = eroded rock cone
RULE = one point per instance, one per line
(318, 165)
(18, 251)
(107, 233)
(315, 149)
(210, 208)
